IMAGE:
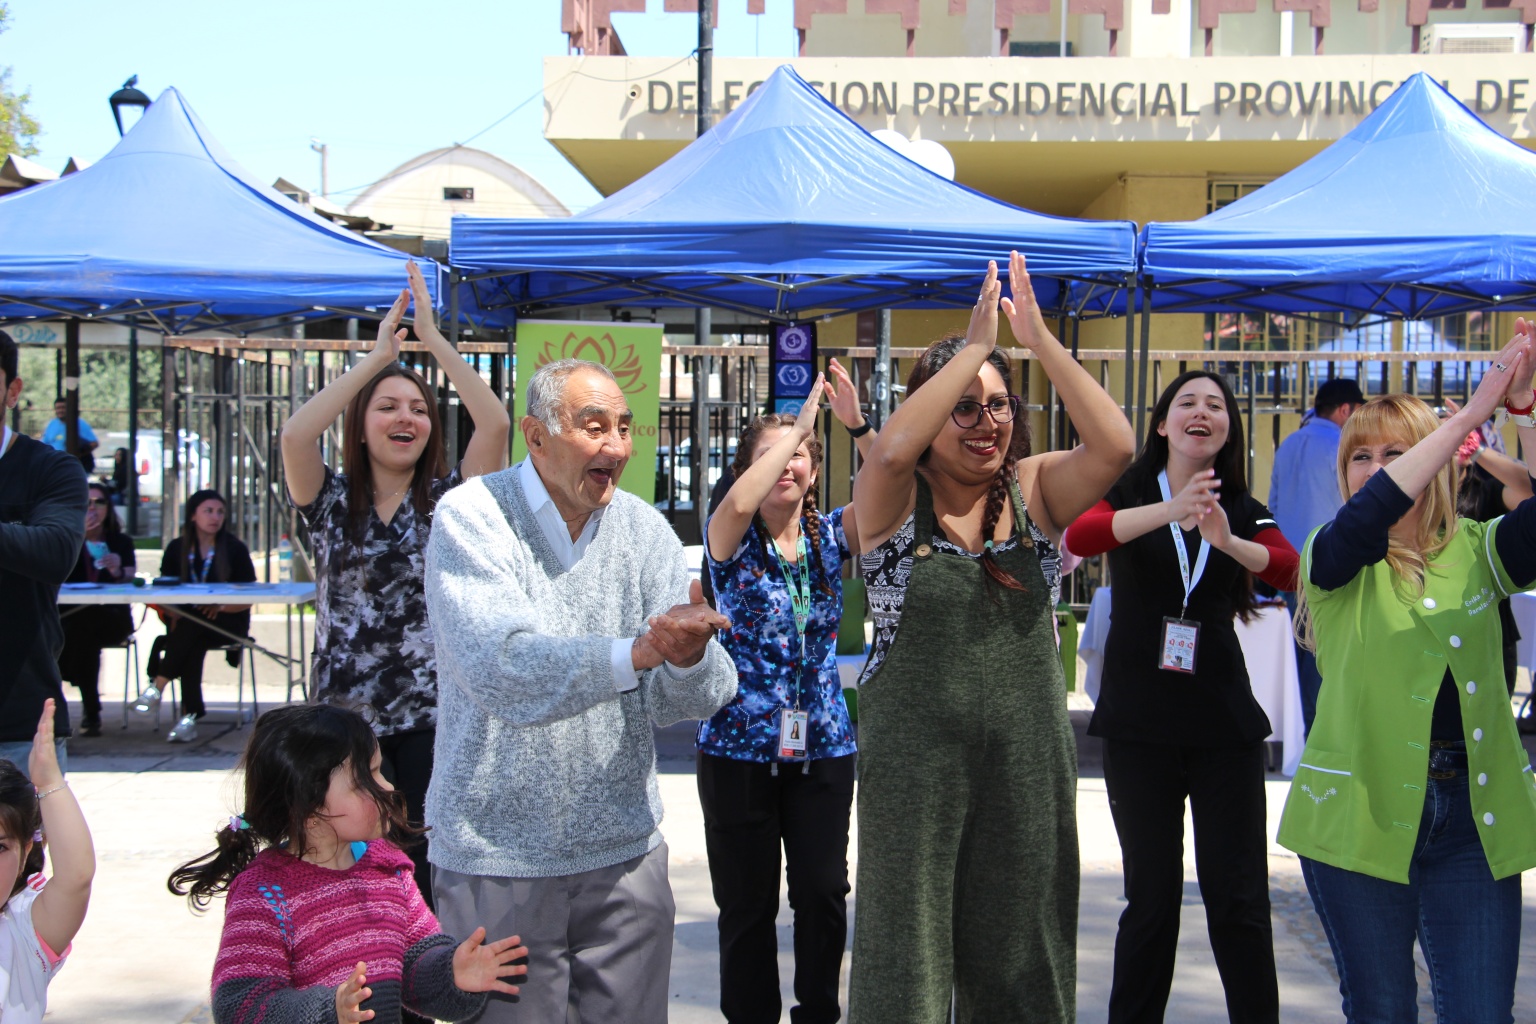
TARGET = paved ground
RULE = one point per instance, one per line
(143, 958)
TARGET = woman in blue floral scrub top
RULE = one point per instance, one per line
(776, 765)
(368, 529)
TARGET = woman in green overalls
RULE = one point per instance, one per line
(968, 867)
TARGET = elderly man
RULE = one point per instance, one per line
(541, 582)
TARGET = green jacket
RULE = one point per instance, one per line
(1358, 796)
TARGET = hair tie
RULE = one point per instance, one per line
(987, 547)
(236, 823)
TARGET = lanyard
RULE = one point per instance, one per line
(5, 440)
(1190, 581)
(207, 563)
(797, 580)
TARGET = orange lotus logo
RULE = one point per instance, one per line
(622, 360)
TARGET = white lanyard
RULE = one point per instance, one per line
(5, 441)
(1178, 546)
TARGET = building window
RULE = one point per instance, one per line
(463, 195)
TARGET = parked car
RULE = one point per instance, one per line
(149, 456)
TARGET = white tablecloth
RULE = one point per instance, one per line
(1269, 650)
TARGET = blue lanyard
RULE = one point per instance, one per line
(207, 563)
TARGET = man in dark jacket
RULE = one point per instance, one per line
(42, 525)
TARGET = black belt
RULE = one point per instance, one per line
(1447, 759)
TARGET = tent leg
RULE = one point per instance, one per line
(880, 374)
(698, 432)
(1146, 344)
(1130, 346)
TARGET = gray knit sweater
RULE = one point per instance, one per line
(541, 767)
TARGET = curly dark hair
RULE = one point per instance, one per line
(288, 764)
(934, 358)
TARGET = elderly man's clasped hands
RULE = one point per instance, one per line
(680, 634)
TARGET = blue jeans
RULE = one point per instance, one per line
(1307, 675)
(19, 753)
(1467, 924)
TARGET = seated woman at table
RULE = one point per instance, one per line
(368, 528)
(105, 557)
(205, 552)
(1175, 711)
(1396, 838)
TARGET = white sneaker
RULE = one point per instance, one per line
(149, 699)
(185, 730)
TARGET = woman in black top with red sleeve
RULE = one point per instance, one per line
(1175, 710)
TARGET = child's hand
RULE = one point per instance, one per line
(350, 997)
(43, 764)
(480, 968)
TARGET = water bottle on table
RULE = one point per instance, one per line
(285, 559)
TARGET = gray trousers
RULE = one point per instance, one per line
(599, 943)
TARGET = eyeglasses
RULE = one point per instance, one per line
(968, 414)
(97, 503)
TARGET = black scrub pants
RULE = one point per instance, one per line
(1147, 785)
(750, 813)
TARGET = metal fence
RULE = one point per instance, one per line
(225, 402)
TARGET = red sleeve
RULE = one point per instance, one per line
(1094, 533)
(1283, 559)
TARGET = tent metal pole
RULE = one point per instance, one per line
(170, 443)
(72, 386)
(698, 432)
(880, 375)
(1071, 433)
(1130, 344)
(1146, 344)
(451, 431)
(131, 499)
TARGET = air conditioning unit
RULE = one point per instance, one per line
(1485, 37)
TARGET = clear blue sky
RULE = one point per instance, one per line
(379, 81)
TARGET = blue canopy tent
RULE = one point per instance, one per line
(1421, 211)
(168, 231)
(784, 209)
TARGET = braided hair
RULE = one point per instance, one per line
(811, 527)
(933, 359)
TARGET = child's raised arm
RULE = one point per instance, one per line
(60, 908)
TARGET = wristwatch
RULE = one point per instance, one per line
(866, 427)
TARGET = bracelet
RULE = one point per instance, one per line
(1530, 405)
(52, 789)
(864, 428)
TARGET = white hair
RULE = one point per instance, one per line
(546, 388)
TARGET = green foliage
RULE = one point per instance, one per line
(18, 129)
(103, 387)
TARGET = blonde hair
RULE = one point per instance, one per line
(1405, 420)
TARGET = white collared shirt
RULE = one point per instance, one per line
(569, 552)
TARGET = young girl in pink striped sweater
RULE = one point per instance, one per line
(324, 920)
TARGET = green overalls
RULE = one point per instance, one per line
(968, 859)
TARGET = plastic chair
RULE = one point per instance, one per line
(131, 669)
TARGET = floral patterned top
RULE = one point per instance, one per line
(373, 643)
(763, 641)
(888, 568)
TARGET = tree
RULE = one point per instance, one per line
(17, 128)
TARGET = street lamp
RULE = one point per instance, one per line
(127, 96)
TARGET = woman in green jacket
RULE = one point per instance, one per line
(1414, 809)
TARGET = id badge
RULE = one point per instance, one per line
(1181, 638)
(793, 728)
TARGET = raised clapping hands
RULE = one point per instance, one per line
(1510, 377)
(43, 762)
(1022, 310)
(680, 634)
(805, 422)
(479, 966)
(982, 330)
(421, 301)
(843, 397)
(1518, 393)
(391, 334)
